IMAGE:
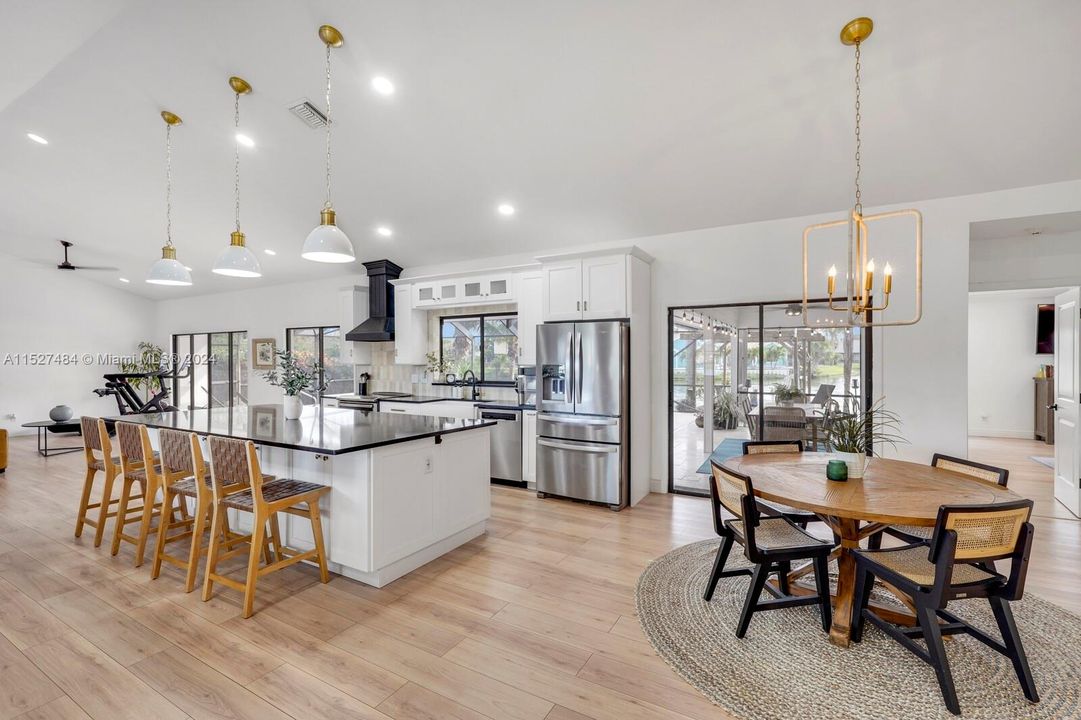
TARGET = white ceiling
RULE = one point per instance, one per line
(1025, 228)
(600, 119)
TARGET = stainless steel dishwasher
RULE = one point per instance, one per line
(506, 444)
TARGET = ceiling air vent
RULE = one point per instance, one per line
(310, 115)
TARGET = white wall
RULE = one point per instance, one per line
(920, 369)
(1041, 261)
(261, 311)
(44, 310)
(1002, 361)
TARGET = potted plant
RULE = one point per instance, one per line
(725, 412)
(437, 366)
(147, 361)
(786, 394)
(853, 436)
(294, 378)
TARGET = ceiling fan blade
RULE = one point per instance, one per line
(95, 267)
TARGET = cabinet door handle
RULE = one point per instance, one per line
(578, 305)
(585, 304)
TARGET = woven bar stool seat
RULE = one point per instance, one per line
(272, 492)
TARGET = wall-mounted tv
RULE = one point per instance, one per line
(1045, 330)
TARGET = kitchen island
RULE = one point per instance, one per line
(405, 488)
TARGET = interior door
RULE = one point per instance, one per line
(1067, 387)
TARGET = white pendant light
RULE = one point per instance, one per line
(168, 270)
(327, 243)
(237, 260)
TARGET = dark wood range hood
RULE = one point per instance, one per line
(379, 327)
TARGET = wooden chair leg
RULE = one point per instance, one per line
(822, 584)
(783, 568)
(106, 503)
(275, 539)
(932, 636)
(197, 528)
(861, 596)
(1012, 640)
(758, 581)
(88, 483)
(258, 531)
(121, 513)
(212, 553)
(163, 530)
(150, 495)
(317, 534)
(718, 567)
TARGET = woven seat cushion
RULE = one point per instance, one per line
(913, 564)
(775, 534)
(785, 509)
(923, 533)
(274, 492)
(187, 485)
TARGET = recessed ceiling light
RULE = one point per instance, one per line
(382, 85)
(37, 138)
(268, 251)
(384, 231)
(506, 209)
(245, 140)
(124, 280)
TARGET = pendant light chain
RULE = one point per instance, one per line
(328, 205)
(859, 195)
(168, 184)
(236, 159)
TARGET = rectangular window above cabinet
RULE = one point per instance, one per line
(486, 344)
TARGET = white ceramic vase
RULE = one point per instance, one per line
(856, 463)
(293, 406)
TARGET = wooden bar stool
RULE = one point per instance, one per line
(181, 464)
(96, 441)
(133, 463)
(235, 462)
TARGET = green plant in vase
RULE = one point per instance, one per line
(437, 366)
(294, 378)
(852, 436)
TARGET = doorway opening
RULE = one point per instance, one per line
(755, 371)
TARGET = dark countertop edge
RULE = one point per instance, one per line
(325, 451)
(504, 406)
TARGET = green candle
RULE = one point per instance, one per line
(837, 470)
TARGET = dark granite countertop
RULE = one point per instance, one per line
(415, 399)
(331, 431)
(506, 405)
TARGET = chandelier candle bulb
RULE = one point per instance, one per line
(831, 280)
(887, 278)
(869, 276)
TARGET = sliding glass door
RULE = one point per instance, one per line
(751, 372)
(221, 381)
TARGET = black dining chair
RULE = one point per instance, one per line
(958, 563)
(772, 543)
(768, 447)
(978, 471)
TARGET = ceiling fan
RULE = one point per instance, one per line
(66, 264)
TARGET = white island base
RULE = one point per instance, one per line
(392, 508)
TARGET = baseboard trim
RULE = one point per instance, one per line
(992, 433)
(658, 486)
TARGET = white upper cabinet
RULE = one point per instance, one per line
(530, 314)
(562, 291)
(604, 287)
(588, 288)
(352, 311)
(410, 328)
(471, 290)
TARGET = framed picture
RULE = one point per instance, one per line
(262, 353)
(264, 422)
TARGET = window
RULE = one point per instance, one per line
(485, 344)
(322, 345)
(220, 382)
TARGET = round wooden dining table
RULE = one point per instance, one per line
(891, 492)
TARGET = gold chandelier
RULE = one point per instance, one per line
(858, 299)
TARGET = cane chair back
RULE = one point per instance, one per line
(984, 533)
(986, 473)
(730, 487)
(783, 423)
(772, 446)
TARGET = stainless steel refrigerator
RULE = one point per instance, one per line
(583, 411)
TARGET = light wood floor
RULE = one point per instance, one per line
(535, 620)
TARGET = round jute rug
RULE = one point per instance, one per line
(786, 667)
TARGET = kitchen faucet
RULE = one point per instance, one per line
(469, 377)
